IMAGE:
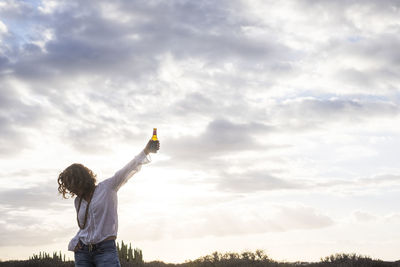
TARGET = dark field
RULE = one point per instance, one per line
(216, 259)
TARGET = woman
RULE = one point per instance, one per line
(96, 206)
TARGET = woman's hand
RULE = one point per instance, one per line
(152, 147)
(77, 247)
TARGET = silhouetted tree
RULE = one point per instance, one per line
(128, 255)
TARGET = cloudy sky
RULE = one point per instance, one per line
(278, 123)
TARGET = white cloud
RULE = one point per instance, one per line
(223, 221)
(362, 216)
(3, 28)
(48, 7)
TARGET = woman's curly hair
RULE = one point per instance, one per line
(76, 180)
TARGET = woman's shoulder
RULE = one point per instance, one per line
(103, 189)
(104, 185)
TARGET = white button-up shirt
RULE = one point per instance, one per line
(102, 219)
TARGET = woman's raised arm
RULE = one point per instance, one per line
(123, 175)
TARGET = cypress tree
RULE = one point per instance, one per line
(119, 251)
(123, 254)
(130, 253)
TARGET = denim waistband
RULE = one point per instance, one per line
(93, 247)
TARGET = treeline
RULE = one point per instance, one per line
(134, 258)
(127, 256)
(260, 259)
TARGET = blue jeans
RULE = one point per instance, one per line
(103, 254)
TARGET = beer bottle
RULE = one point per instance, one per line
(154, 140)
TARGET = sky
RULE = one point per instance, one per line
(278, 123)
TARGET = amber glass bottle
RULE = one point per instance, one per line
(154, 138)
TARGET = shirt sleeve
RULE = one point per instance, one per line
(123, 175)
